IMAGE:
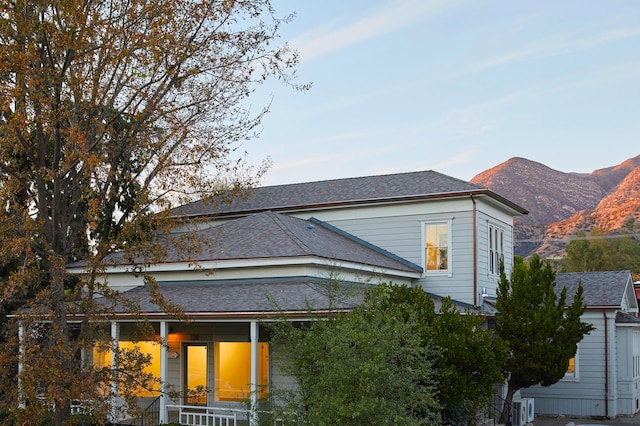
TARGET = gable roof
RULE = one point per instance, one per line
(270, 235)
(350, 191)
(602, 289)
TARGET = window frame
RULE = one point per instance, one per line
(495, 254)
(575, 376)
(437, 272)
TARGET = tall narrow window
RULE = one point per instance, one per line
(496, 249)
(437, 256)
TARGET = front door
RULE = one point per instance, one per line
(195, 377)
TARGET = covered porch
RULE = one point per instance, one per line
(210, 372)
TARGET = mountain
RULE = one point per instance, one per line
(561, 205)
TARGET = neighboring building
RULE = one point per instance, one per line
(604, 377)
(276, 251)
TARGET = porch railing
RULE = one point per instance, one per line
(208, 416)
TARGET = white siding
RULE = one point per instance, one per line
(584, 395)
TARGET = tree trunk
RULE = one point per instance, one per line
(61, 327)
(506, 408)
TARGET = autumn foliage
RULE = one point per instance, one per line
(111, 112)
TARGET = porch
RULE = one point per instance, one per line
(210, 372)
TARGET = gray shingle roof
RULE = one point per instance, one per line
(604, 288)
(424, 184)
(272, 235)
(257, 296)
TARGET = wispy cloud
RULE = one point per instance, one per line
(395, 15)
(562, 44)
(464, 157)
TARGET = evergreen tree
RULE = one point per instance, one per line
(541, 331)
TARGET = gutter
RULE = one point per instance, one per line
(475, 252)
(606, 365)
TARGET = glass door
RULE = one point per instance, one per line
(195, 374)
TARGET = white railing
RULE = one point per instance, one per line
(207, 416)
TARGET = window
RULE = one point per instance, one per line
(102, 359)
(572, 370)
(496, 249)
(233, 370)
(437, 257)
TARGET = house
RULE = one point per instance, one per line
(604, 377)
(278, 250)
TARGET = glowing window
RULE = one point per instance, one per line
(437, 241)
(572, 367)
(233, 370)
(102, 359)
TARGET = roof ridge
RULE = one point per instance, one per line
(277, 219)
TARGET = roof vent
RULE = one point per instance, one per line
(311, 227)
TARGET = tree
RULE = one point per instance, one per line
(602, 251)
(111, 110)
(469, 364)
(463, 362)
(361, 367)
(541, 331)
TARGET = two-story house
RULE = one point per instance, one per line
(272, 253)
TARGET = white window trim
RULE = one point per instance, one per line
(449, 271)
(490, 227)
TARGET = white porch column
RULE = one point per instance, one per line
(254, 372)
(164, 371)
(21, 403)
(115, 341)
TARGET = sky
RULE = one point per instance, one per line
(454, 86)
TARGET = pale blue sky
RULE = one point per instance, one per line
(455, 86)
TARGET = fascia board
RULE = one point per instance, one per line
(256, 263)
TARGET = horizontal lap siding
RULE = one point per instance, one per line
(584, 396)
(459, 286)
(402, 236)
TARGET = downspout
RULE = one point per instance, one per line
(606, 366)
(475, 253)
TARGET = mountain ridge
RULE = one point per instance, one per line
(562, 205)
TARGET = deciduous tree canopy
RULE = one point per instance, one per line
(110, 111)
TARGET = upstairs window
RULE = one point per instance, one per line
(437, 256)
(496, 249)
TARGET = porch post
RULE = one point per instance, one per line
(254, 372)
(21, 403)
(164, 370)
(115, 341)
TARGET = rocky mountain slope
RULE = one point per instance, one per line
(561, 205)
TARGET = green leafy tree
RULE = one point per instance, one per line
(359, 368)
(111, 111)
(541, 331)
(602, 251)
(469, 363)
(337, 362)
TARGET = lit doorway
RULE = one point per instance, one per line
(195, 374)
